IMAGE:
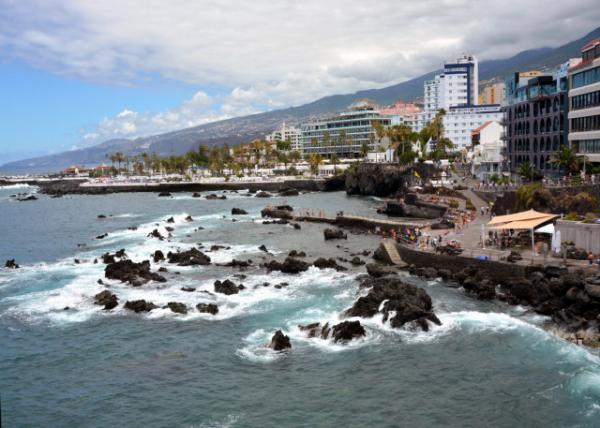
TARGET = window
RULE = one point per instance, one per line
(585, 78)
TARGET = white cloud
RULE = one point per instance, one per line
(270, 54)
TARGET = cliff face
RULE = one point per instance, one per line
(377, 179)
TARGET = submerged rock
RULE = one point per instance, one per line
(214, 196)
(262, 194)
(334, 234)
(209, 308)
(164, 195)
(188, 289)
(140, 306)
(191, 257)
(238, 211)
(106, 299)
(296, 253)
(280, 342)
(156, 234)
(242, 264)
(170, 220)
(288, 191)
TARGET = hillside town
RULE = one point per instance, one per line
(533, 125)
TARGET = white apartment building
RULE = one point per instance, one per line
(459, 122)
(487, 155)
(285, 133)
(457, 86)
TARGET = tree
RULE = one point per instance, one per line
(314, 160)
(283, 158)
(284, 145)
(444, 145)
(567, 159)
(526, 170)
(334, 161)
(364, 150)
(295, 156)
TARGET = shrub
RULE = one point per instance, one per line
(453, 203)
(469, 205)
(572, 216)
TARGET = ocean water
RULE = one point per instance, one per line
(487, 365)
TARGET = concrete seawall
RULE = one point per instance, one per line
(75, 188)
(497, 271)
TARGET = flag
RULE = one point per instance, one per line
(417, 174)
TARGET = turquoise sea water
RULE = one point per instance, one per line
(487, 365)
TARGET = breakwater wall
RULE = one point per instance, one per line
(498, 271)
(76, 188)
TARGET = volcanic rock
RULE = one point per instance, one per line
(158, 256)
(140, 305)
(178, 308)
(227, 287)
(11, 264)
(323, 263)
(289, 265)
(191, 257)
(378, 270)
(288, 191)
(164, 195)
(262, 195)
(334, 234)
(170, 220)
(280, 342)
(238, 211)
(209, 308)
(135, 274)
(106, 299)
(347, 330)
(405, 303)
(295, 253)
(156, 234)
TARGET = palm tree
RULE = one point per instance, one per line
(334, 161)
(295, 156)
(443, 145)
(567, 159)
(526, 171)
(315, 159)
(364, 150)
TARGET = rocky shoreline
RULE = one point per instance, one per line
(569, 297)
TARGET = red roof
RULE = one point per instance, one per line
(590, 44)
(477, 130)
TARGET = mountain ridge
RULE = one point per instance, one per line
(245, 128)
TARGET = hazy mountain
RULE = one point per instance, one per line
(242, 129)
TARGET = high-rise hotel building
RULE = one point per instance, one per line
(584, 103)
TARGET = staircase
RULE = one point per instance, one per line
(391, 251)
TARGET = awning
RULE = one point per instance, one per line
(548, 229)
(526, 224)
(524, 215)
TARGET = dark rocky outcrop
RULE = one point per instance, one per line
(280, 342)
(263, 248)
(158, 256)
(411, 206)
(208, 308)
(170, 220)
(334, 234)
(27, 198)
(191, 257)
(296, 253)
(335, 183)
(227, 287)
(289, 265)
(104, 235)
(213, 196)
(262, 194)
(323, 263)
(347, 330)
(356, 261)
(107, 299)
(405, 303)
(378, 270)
(280, 211)
(188, 289)
(242, 264)
(189, 218)
(178, 308)
(135, 274)
(288, 191)
(11, 264)
(238, 211)
(164, 195)
(140, 306)
(156, 234)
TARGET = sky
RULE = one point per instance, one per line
(74, 73)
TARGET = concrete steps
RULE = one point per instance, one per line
(391, 251)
